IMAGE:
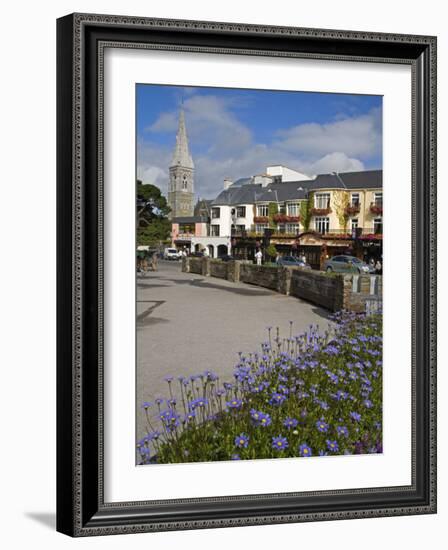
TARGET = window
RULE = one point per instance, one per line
(292, 228)
(277, 179)
(378, 226)
(322, 200)
(354, 223)
(322, 225)
(281, 228)
(186, 228)
(214, 230)
(293, 209)
(263, 210)
(184, 183)
(355, 199)
(216, 212)
(378, 199)
(340, 259)
(260, 227)
(240, 211)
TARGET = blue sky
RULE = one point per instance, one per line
(237, 133)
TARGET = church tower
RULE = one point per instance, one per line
(181, 189)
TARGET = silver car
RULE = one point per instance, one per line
(347, 264)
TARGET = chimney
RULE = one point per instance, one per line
(227, 183)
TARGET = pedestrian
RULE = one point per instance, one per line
(378, 268)
(303, 258)
(372, 263)
(258, 256)
(144, 265)
(154, 261)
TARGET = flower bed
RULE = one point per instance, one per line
(305, 395)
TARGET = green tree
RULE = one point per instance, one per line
(153, 194)
(271, 251)
(153, 226)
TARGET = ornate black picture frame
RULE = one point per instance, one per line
(81, 509)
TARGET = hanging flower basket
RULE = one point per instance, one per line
(351, 210)
(375, 209)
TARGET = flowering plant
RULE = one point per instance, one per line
(320, 211)
(376, 209)
(261, 219)
(305, 395)
(353, 209)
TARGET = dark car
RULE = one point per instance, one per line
(197, 254)
(226, 258)
(292, 261)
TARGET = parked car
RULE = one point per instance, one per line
(197, 254)
(346, 264)
(171, 254)
(292, 261)
(226, 258)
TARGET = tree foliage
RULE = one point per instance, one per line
(153, 226)
(305, 212)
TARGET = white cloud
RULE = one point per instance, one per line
(355, 136)
(229, 149)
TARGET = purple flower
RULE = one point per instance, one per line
(279, 443)
(277, 398)
(260, 418)
(290, 423)
(154, 436)
(235, 456)
(305, 450)
(342, 431)
(321, 426)
(368, 404)
(146, 405)
(332, 446)
(242, 441)
(355, 416)
(234, 404)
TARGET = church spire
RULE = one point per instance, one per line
(181, 156)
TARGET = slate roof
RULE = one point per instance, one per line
(203, 205)
(287, 191)
(368, 179)
(244, 192)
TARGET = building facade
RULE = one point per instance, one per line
(330, 214)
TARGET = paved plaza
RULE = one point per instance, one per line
(189, 323)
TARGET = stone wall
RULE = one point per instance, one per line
(334, 292)
(260, 275)
(194, 265)
(318, 287)
(218, 269)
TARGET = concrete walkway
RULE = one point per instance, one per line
(188, 323)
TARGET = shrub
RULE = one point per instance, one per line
(305, 395)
